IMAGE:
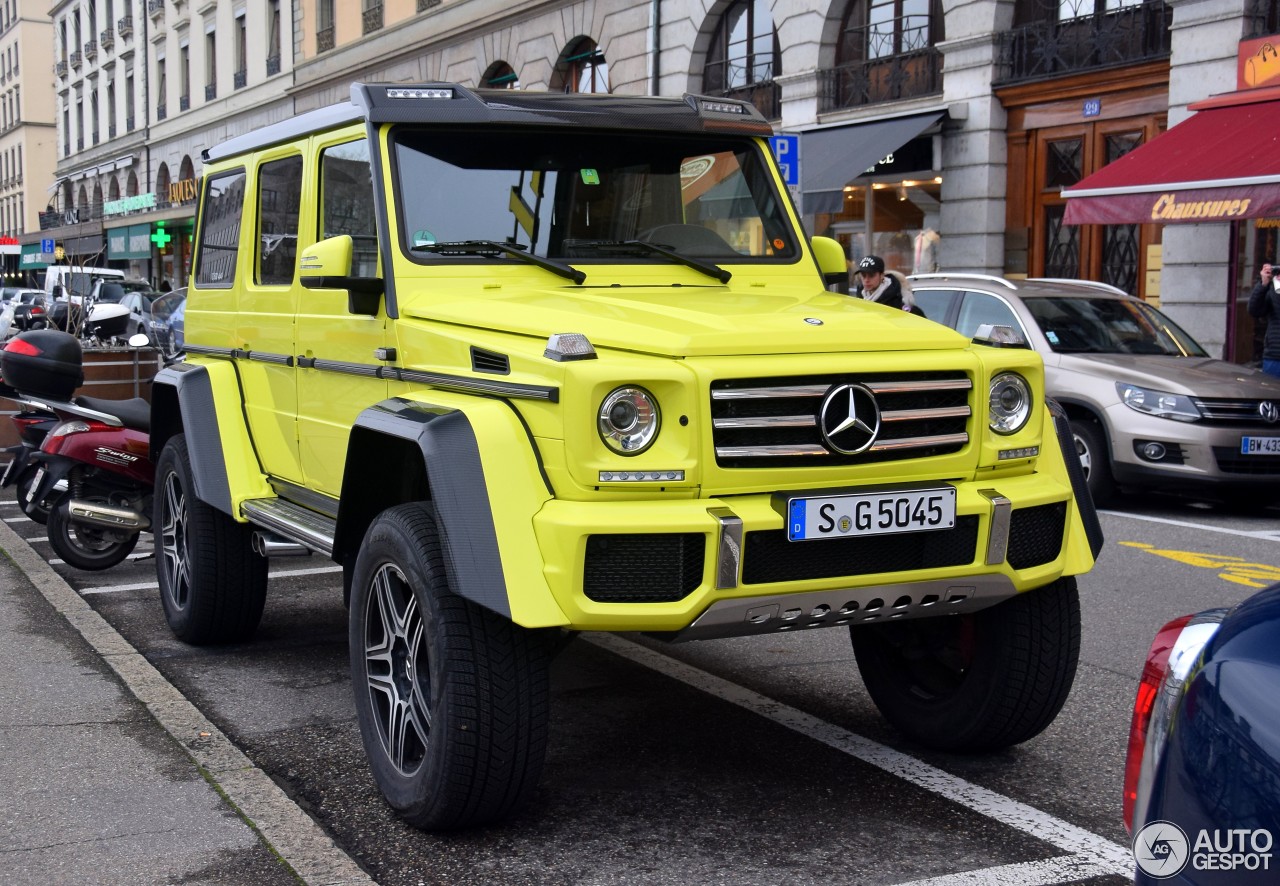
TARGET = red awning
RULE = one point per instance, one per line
(1220, 164)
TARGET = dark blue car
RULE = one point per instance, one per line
(1202, 778)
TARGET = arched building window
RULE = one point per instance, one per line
(581, 68)
(500, 75)
(162, 184)
(745, 58)
(888, 50)
(113, 189)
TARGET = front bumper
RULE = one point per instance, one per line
(722, 566)
(1197, 454)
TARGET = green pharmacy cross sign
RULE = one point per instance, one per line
(161, 237)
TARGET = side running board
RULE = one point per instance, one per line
(296, 523)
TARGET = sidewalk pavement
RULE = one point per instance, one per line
(110, 776)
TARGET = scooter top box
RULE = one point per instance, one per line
(43, 363)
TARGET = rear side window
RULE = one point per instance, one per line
(980, 308)
(346, 203)
(279, 199)
(220, 230)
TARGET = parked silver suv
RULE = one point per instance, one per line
(1148, 407)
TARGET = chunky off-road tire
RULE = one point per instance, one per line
(975, 682)
(1091, 446)
(86, 547)
(34, 510)
(452, 699)
(212, 584)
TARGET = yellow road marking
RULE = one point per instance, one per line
(1233, 569)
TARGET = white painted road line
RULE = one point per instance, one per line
(1111, 858)
(1045, 872)
(151, 585)
(1264, 534)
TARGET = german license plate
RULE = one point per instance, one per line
(1260, 445)
(871, 513)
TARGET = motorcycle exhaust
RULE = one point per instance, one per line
(111, 518)
(268, 544)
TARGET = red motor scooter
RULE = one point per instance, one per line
(100, 449)
(33, 424)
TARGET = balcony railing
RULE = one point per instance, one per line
(91, 50)
(907, 75)
(210, 92)
(124, 27)
(80, 144)
(424, 5)
(161, 112)
(1114, 37)
(766, 96)
(111, 131)
(107, 38)
(273, 65)
(77, 59)
(184, 102)
(61, 69)
(372, 18)
(324, 39)
(155, 9)
(128, 124)
(239, 79)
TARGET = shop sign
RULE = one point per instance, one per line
(915, 156)
(9, 245)
(133, 241)
(184, 190)
(37, 255)
(129, 204)
(1258, 63)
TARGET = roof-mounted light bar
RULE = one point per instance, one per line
(418, 92)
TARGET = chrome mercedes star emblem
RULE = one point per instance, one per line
(1270, 411)
(849, 419)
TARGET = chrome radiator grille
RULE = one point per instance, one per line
(1225, 412)
(775, 422)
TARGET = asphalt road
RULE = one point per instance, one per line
(758, 760)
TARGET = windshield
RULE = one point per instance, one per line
(586, 196)
(1109, 326)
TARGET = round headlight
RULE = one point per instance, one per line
(628, 420)
(1010, 403)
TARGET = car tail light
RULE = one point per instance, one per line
(1174, 652)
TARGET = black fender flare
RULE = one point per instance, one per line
(435, 455)
(1079, 485)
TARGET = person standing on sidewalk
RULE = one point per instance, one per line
(1264, 302)
(892, 289)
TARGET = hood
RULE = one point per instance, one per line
(1192, 376)
(689, 321)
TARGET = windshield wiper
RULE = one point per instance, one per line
(490, 247)
(709, 268)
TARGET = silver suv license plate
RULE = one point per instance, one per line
(871, 513)
(1260, 446)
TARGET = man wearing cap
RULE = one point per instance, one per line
(891, 289)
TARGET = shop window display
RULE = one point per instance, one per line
(903, 220)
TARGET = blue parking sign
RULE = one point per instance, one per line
(46, 246)
(786, 150)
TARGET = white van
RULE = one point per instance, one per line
(78, 281)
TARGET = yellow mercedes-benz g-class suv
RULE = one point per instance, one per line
(529, 364)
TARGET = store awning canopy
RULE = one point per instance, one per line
(1220, 164)
(831, 158)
